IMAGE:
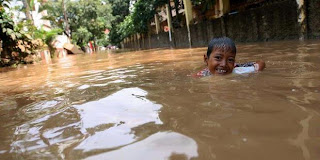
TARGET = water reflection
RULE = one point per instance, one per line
(112, 118)
(158, 146)
(99, 126)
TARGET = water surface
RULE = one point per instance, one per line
(146, 105)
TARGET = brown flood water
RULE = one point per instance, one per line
(145, 105)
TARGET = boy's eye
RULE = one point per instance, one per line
(217, 57)
(231, 60)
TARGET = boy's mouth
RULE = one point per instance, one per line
(221, 71)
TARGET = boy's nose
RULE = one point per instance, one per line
(223, 63)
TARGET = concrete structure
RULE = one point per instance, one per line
(263, 20)
(188, 14)
(168, 10)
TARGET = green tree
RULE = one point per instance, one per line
(143, 12)
(55, 13)
(120, 9)
(81, 36)
(138, 21)
(126, 28)
(86, 19)
(92, 16)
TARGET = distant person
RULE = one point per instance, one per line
(220, 59)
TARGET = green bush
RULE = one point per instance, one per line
(15, 44)
(47, 37)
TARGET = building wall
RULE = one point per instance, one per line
(313, 18)
(274, 20)
(180, 37)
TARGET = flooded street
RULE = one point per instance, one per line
(146, 105)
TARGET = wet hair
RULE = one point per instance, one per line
(224, 44)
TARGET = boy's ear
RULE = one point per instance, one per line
(205, 59)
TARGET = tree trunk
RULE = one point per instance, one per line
(66, 23)
(27, 10)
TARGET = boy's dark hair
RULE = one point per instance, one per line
(222, 43)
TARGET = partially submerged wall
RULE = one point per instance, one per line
(274, 20)
(313, 18)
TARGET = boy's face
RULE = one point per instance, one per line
(220, 62)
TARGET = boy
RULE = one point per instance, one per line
(220, 59)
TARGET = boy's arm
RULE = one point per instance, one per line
(259, 65)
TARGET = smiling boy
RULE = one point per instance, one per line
(220, 59)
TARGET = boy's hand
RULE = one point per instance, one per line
(260, 65)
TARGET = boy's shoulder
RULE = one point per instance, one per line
(204, 72)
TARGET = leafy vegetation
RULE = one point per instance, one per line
(120, 9)
(47, 37)
(143, 12)
(55, 13)
(15, 44)
(138, 21)
(82, 20)
(88, 20)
